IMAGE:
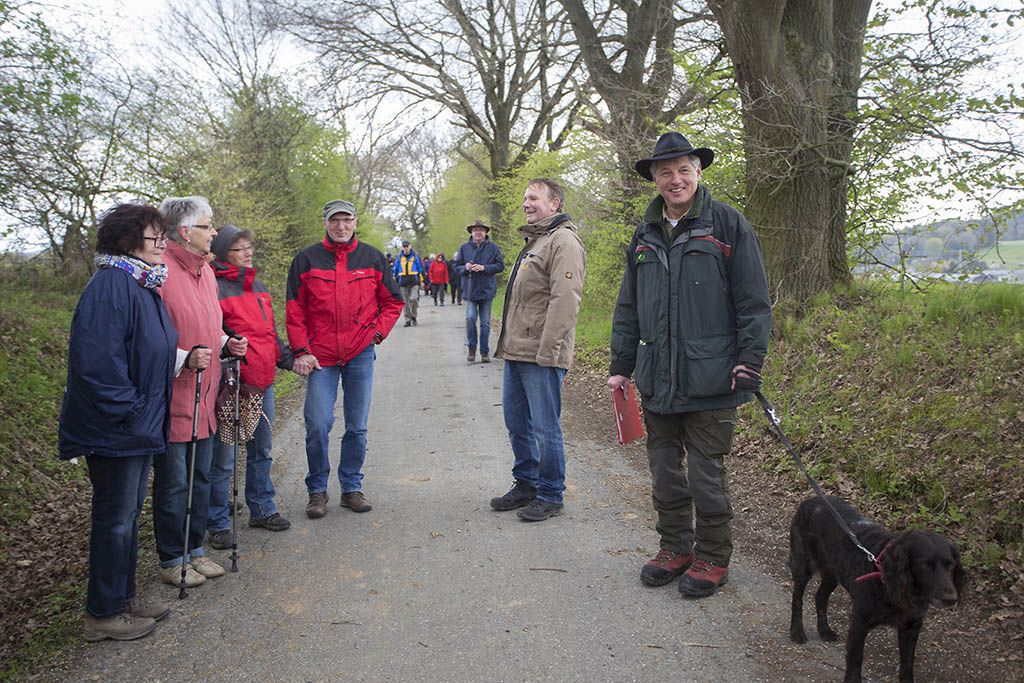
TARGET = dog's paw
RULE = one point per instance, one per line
(798, 636)
(828, 635)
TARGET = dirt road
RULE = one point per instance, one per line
(432, 585)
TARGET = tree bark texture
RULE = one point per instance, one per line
(797, 64)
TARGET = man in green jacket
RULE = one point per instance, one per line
(538, 336)
(691, 327)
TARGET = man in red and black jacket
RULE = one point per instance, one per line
(342, 300)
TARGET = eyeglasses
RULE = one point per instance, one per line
(201, 227)
(162, 239)
(338, 221)
(240, 249)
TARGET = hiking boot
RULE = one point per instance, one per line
(123, 626)
(172, 576)
(664, 567)
(356, 501)
(236, 508)
(317, 505)
(207, 567)
(151, 609)
(221, 540)
(518, 496)
(484, 358)
(414, 322)
(471, 356)
(408, 323)
(274, 522)
(702, 579)
(538, 510)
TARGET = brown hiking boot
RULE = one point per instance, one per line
(471, 356)
(317, 505)
(356, 501)
(153, 609)
(664, 567)
(702, 579)
(121, 626)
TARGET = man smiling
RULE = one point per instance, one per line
(342, 299)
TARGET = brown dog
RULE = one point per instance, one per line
(918, 570)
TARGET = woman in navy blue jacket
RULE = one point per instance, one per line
(121, 359)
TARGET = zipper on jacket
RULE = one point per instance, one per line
(262, 310)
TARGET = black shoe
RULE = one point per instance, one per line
(274, 522)
(485, 358)
(221, 540)
(518, 496)
(414, 322)
(236, 508)
(538, 510)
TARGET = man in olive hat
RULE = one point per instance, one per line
(479, 261)
(691, 328)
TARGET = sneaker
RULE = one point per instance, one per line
(317, 505)
(221, 540)
(207, 567)
(538, 510)
(356, 501)
(664, 567)
(518, 496)
(471, 356)
(172, 576)
(123, 626)
(151, 609)
(484, 358)
(274, 522)
(702, 579)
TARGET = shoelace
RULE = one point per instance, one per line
(701, 567)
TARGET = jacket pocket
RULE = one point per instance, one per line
(643, 373)
(709, 363)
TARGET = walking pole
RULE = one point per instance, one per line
(191, 480)
(234, 465)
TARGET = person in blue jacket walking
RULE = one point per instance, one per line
(121, 360)
(479, 261)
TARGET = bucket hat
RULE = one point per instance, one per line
(672, 146)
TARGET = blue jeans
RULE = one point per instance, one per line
(356, 378)
(481, 310)
(170, 498)
(259, 489)
(531, 398)
(118, 491)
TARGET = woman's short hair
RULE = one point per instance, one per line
(184, 211)
(123, 226)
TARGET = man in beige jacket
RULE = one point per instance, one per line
(538, 334)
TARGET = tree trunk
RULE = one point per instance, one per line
(797, 65)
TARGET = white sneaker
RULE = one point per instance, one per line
(172, 576)
(207, 567)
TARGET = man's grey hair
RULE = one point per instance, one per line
(180, 211)
(694, 160)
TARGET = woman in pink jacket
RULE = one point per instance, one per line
(190, 295)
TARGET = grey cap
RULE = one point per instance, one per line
(225, 238)
(339, 206)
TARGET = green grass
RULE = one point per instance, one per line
(1010, 252)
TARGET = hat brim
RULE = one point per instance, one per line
(469, 228)
(706, 156)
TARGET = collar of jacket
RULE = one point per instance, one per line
(338, 248)
(529, 231)
(189, 262)
(234, 273)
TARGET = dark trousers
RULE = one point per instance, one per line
(696, 491)
(118, 491)
(456, 292)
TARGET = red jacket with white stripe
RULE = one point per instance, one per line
(339, 296)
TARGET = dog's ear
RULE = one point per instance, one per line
(959, 575)
(898, 573)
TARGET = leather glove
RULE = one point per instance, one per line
(746, 379)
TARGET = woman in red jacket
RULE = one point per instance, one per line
(248, 312)
(438, 273)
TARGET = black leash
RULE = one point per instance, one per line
(770, 413)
